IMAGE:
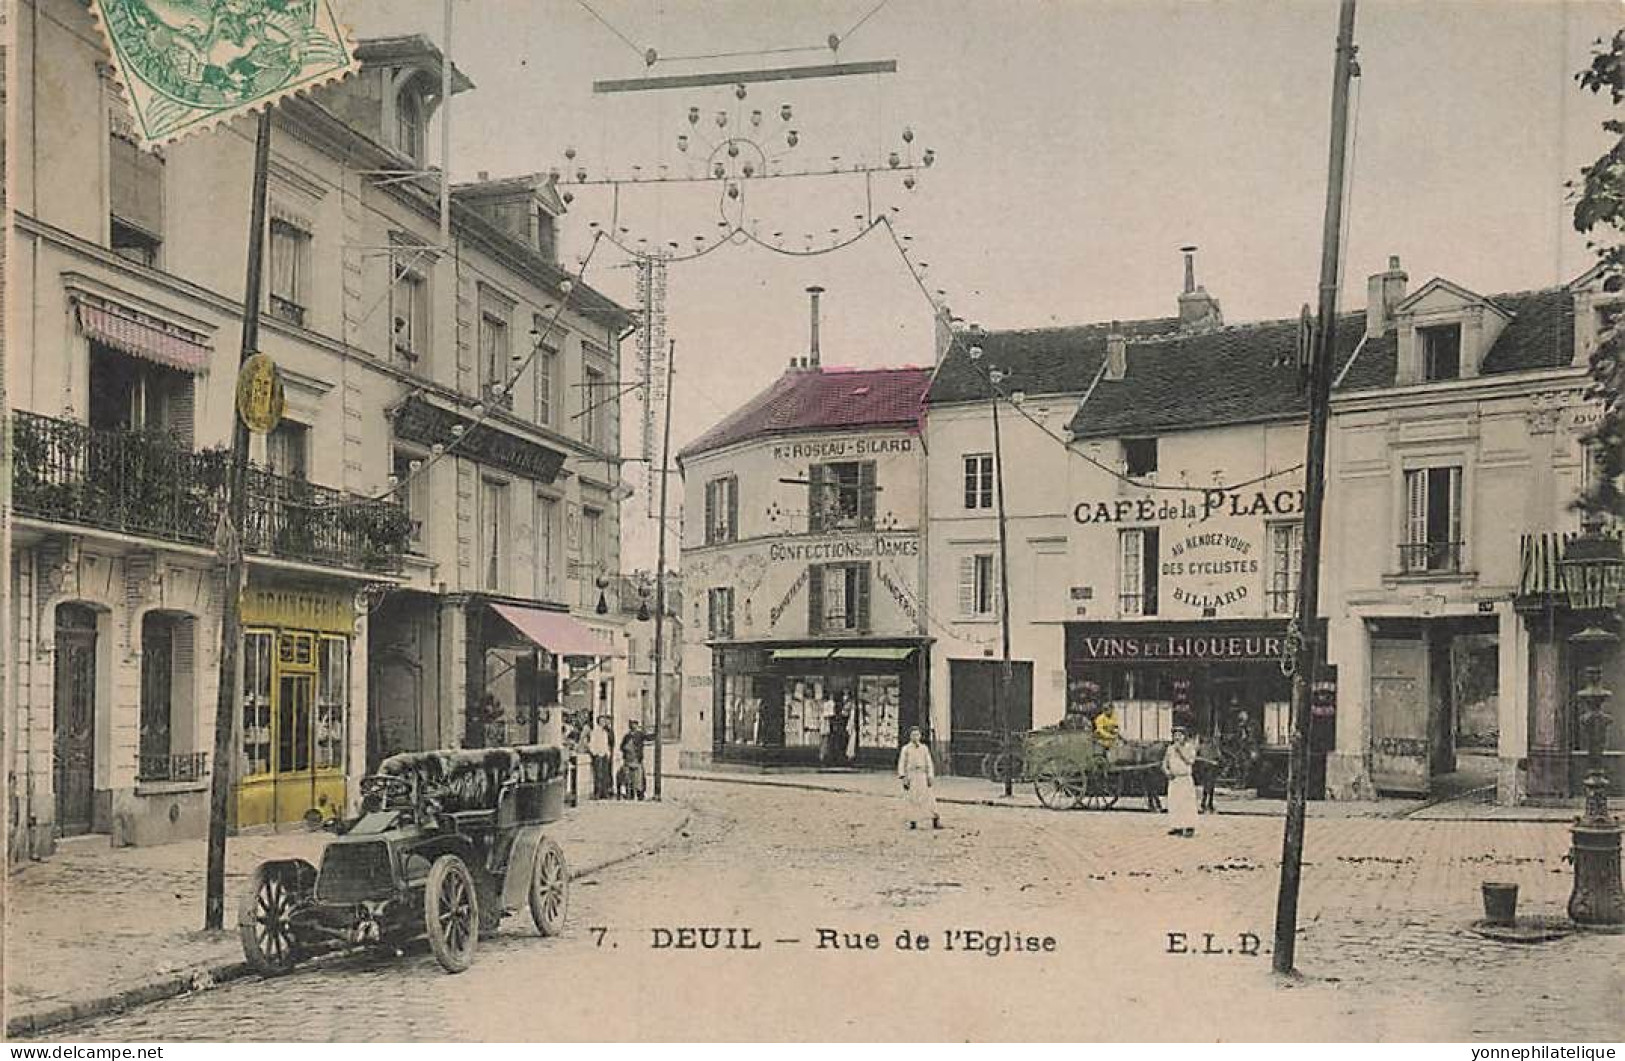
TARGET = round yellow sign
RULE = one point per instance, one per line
(259, 393)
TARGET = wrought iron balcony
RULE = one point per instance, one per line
(143, 484)
(187, 766)
(1430, 558)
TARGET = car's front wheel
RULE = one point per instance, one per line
(550, 889)
(451, 913)
(265, 920)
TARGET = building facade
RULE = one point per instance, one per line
(802, 568)
(129, 310)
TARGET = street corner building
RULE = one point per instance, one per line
(1154, 498)
(432, 528)
(807, 643)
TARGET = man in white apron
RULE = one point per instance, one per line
(918, 774)
(1177, 763)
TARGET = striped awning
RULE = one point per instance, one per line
(1540, 573)
(142, 336)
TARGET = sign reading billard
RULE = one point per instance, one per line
(1210, 570)
(259, 394)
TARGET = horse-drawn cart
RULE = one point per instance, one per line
(1070, 767)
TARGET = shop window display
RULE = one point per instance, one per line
(743, 709)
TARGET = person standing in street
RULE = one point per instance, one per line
(918, 774)
(632, 760)
(601, 746)
(1177, 763)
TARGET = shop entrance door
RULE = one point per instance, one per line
(74, 722)
(973, 719)
(295, 781)
(1400, 746)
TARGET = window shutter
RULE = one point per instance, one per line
(178, 417)
(866, 494)
(733, 509)
(967, 585)
(1455, 504)
(1416, 507)
(863, 595)
(1150, 538)
(710, 512)
(815, 497)
(970, 482)
(815, 598)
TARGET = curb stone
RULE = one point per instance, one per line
(205, 978)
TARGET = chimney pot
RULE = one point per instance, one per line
(1384, 291)
(1189, 251)
(484, 175)
(812, 294)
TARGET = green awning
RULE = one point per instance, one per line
(877, 652)
(802, 653)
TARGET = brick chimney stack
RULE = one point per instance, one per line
(1384, 291)
(812, 354)
(1198, 310)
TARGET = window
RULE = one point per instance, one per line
(493, 533)
(332, 701)
(132, 394)
(1285, 545)
(721, 510)
(1432, 521)
(157, 689)
(287, 450)
(841, 496)
(494, 352)
(595, 400)
(1441, 352)
(1137, 571)
(290, 262)
(1139, 457)
(838, 598)
(409, 123)
(720, 613)
(546, 235)
(412, 494)
(547, 547)
(978, 585)
(979, 480)
(256, 755)
(135, 200)
(548, 384)
(410, 314)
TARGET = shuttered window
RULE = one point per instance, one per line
(722, 510)
(978, 585)
(135, 192)
(1137, 571)
(841, 496)
(1432, 520)
(721, 612)
(838, 598)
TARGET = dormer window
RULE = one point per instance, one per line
(409, 123)
(546, 235)
(1441, 352)
(1139, 457)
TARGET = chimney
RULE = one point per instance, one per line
(812, 355)
(1116, 354)
(943, 329)
(1384, 291)
(1198, 310)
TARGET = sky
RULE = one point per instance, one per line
(1078, 145)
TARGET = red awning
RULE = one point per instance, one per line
(142, 336)
(558, 632)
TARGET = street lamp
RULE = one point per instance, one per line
(1592, 570)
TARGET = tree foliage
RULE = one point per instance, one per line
(1599, 214)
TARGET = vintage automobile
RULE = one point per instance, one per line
(446, 844)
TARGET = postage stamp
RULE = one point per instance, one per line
(190, 64)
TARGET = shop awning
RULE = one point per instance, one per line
(558, 632)
(874, 652)
(142, 336)
(802, 653)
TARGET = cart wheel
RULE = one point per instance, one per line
(265, 922)
(550, 889)
(451, 913)
(1058, 788)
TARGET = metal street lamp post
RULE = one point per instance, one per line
(1592, 569)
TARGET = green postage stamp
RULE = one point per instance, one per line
(190, 64)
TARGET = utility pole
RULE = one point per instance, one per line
(230, 536)
(660, 571)
(1307, 642)
(1002, 687)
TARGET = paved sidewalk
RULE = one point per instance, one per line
(977, 791)
(132, 914)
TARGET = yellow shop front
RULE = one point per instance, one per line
(296, 704)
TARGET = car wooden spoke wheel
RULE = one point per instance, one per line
(550, 889)
(451, 913)
(265, 922)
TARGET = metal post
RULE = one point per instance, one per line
(536, 698)
(1002, 686)
(660, 573)
(1307, 644)
(231, 545)
(445, 132)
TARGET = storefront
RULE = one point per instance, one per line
(535, 674)
(817, 704)
(1222, 676)
(296, 704)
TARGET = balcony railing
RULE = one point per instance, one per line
(143, 484)
(1430, 558)
(187, 766)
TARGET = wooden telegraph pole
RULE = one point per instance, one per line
(230, 543)
(660, 573)
(1002, 686)
(1306, 644)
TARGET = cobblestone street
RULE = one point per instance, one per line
(1384, 948)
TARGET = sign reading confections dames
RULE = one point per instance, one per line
(191, 64)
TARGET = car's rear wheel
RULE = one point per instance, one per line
(451, 913)
(550, 889)
(265, 921)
